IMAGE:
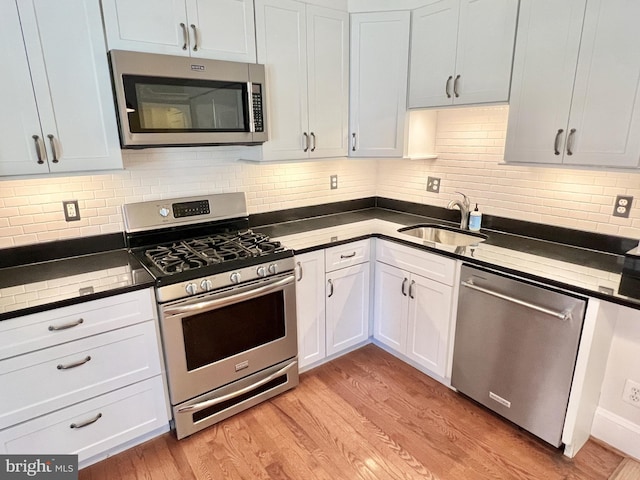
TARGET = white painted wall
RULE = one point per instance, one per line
(618, 423)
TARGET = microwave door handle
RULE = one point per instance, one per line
(252, 122)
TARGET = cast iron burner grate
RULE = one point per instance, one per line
(214, 249)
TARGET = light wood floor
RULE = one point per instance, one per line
(363, 416)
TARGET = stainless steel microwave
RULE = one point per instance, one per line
(165, 100)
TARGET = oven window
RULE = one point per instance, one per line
(217, 334)
(164, 105)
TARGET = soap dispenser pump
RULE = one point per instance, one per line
(475, 219)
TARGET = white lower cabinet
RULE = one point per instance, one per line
(412, 312)
(92, 427)
(310, 308)
(84, 379)
(347, 307)
(332, 298)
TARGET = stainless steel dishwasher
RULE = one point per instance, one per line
(515, 350)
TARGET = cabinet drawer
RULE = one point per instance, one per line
(120, 416)
(347, 255)
(435, 267)
(37, 383)
(53, 327)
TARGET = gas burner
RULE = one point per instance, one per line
(214, 249)
(175, 258)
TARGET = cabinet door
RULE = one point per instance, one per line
(379, 66)
(429, 320)
(347, 303)
(390, 306)
(147, 26)
(222, 30)
(486, 37)
(71, 82)
(19, 120)
(604, 124)
(328, 81)
(434, 30)
(310, 308)
(543, 73)
(281, 45)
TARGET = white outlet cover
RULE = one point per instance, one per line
(631, 393)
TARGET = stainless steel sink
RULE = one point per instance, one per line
(443, 234)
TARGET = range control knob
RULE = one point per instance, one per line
(206, 284)
(235, 277)
(191, 288)
(273, 268)
(164, 212)
(262, 271)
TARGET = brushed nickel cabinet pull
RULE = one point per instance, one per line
(195, 37)
(404, 284)
(570, 140)
(54, 328)
(413, 282)
(455, 86)
(185, 36)
(330, 288)
(86, 422)
(447, 85)
(39, 149)
(74, 364)
(351, 255)
(556, 143)
(313, 136)
(299, 271)
(54, 151)
(353, 142)
(306, 142)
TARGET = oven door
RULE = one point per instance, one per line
(215, 339)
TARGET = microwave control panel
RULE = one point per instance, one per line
(256, 94)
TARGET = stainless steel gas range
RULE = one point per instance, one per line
(226, 302)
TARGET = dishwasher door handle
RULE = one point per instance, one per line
(565, 315)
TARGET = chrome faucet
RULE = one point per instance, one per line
(464, 210)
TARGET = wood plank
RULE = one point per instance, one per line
(363, 416)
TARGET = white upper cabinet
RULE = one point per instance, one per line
(58, 111)
(461, 52)
(575, 94)
(220, 29)
(379, 65)
(306, 54)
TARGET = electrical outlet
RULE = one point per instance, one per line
(334, 181)
(433, 184)
(631, 393)
(622, 206)
(71, 210)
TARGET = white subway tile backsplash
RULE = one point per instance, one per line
(470, 148)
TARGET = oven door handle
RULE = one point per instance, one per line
(239, 297)
(196, 407)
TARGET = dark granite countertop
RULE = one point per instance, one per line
(40, 286)
(589, 272)
(37, 278)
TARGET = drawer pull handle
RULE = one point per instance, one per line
(351, 255)
(54, 328)
(74, 364)
(330, 288)
(413, 282)
(402, 288)
(86, 422)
